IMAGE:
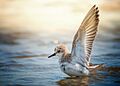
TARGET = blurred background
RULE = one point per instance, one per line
(30, 29)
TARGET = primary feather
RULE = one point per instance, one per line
(83, 39)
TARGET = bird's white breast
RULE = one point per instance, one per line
(73, 69)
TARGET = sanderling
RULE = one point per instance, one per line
(77, 62)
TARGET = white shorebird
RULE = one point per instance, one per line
(77, 62)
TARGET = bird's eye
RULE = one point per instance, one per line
(58, 51)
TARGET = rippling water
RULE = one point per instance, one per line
(24, 62)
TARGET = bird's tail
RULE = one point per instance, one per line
(93, 68)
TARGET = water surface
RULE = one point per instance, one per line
(24, 62)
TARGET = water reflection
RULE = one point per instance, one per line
(23, 60)
(81, 81)
(94, 79)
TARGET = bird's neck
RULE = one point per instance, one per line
(66, 57)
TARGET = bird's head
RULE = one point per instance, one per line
(59, 51)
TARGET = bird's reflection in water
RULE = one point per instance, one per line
(81, 81)
(74, 81)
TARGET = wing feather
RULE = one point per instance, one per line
(85, 36)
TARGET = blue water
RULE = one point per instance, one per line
(24, 62)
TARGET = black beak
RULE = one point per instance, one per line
(52, 55)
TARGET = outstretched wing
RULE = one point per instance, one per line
(83, 39)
